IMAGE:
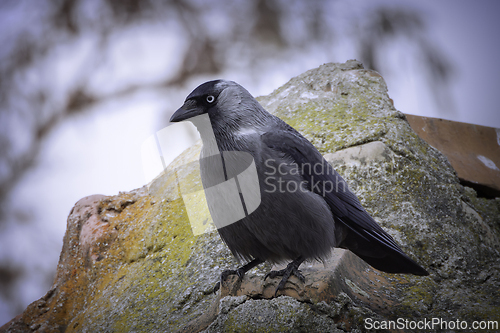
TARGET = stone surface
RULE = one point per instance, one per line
(130, 262)
(473, 150)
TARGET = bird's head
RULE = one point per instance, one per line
(227, 104)
(202, 100)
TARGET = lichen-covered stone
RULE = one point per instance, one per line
(130, 262)
(286, 314)
(282, 314)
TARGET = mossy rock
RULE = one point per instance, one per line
(130, 263)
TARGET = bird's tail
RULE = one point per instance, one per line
(394, 263)
(379, 250)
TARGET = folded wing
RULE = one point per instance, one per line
(360, 233)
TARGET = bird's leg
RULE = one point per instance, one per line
(240, 272)
(291, 268)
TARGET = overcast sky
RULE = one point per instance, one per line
(468, 31)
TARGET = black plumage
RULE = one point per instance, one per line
(306, 207)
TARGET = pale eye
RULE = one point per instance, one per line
(210, 99)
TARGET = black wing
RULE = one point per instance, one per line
(361, 234)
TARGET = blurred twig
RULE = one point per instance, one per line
(388, 24)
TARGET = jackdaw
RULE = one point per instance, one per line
(301, 216)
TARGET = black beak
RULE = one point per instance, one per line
(188, 110)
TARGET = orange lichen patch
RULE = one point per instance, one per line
(95, 235)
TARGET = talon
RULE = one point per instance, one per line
(299, 275)
(216, 287)
(241, 273)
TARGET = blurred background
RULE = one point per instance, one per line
(84, 82)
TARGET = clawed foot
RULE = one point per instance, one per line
(240, 272)
(225, 274)
(291, 269)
